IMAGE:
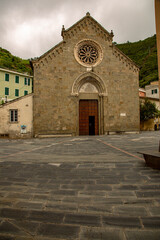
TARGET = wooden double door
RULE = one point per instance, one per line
(88, 117)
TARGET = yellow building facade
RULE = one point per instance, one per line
(14, 84)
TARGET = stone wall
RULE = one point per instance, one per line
(55, 73)
(24, 105)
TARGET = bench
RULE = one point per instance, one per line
(152, 158)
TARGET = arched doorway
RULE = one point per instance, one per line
(88, 110)
(89, 90)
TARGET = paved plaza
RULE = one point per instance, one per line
(79, 188)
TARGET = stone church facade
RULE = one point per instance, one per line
(85, 85)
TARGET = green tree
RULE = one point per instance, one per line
(7, 60)
(144, 54)
(148, 110)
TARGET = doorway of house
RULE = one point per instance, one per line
(88, 117)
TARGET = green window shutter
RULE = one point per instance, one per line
(16, 92)
(7, 77)
(25, 93)
(16, 79)
(6, 91)
(28, 81)
(25, 81)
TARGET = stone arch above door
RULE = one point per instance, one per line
(91, 79)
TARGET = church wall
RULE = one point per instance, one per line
(56, 110)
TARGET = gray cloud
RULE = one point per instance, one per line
(30, 28)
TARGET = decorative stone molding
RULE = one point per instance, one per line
(92, 78)
(48, 56)
(87, 21)
(124, 59)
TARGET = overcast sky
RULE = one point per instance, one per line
(29, 28)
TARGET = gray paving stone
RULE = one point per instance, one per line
(5, 237)
(95, 185)
(62, 206)
(99, 187)
(29, 205)
(142, 235)
(28, 227)
(48, 187)
(154, 211)
(18, 195)
(13, 189)
(156, 176)
(24, 238)
(119, 221)
(91, 193)
(43, 197)
(83, 181)
(130, 211)
(151, 222)
(121, 194)
(81, 200)
(153, 181)
(125, 165)
(96, 209)
(5, 183)
(73, 186)
(59, 231)
(46, 216)
(136, 177)
(83, 219)
(126, 187)
(9, 228)
(4, 203)
(107, 200)
(64, 192)
(150, 187)
(149, 194)
(138, 202)
(108, 181)
(100, 234)
(11, 213)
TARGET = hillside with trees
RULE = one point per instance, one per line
(7, 60)
(143, 53)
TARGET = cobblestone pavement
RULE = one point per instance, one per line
(80, 188)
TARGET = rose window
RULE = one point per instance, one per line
(88, 53)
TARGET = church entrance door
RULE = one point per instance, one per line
(88, 117)
(91, 125)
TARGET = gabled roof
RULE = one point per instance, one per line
(71, 31)
(15, 100)
(87, 17)
(65, 32)
(43, 55)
